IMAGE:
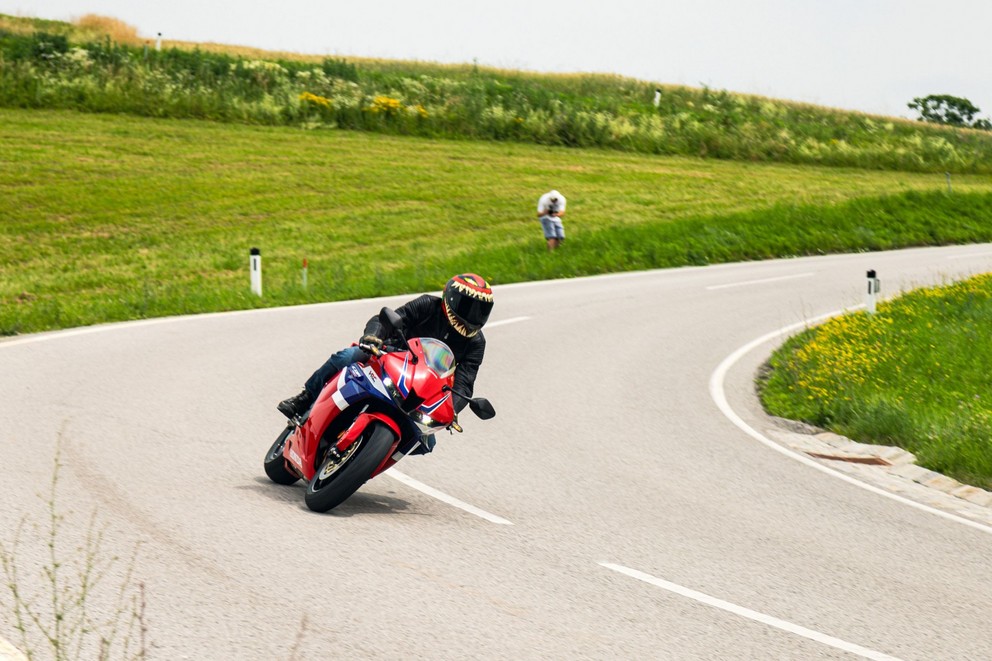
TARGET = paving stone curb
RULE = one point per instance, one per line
(887, 467)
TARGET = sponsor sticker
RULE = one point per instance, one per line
(374, 380)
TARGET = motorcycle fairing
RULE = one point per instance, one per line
(363, 420)
(409, 377)
(351, 385)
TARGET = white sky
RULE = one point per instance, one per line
(868, 55)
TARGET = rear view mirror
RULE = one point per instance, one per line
(482, 408)
(391, 319)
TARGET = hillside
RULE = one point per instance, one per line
(101, 65)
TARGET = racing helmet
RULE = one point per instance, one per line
(468, 300)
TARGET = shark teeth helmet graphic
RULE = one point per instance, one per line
(468, 300)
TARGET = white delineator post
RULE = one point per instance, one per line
(255, 265)
(305, 264)
(873, 289)
(158, 42)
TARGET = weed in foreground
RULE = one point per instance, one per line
(59, 619)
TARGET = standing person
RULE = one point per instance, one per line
(550, 209)
(456, 318)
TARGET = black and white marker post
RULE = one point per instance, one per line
(873, 289)
(256, 271)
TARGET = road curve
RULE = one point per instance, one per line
(645, 523)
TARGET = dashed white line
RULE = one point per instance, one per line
(504, 322)
(440, 495)
(409, 481)
(443, 497)
(752, 615)
(761, 281)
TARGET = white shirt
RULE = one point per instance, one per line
(545, 202)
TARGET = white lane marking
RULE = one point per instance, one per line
(10, 653)
(719, 396)
(973, 254)
(504, 322)
(440, 495)
(443, 497)
(121, 325)
(752, 615)
(409, 481)
(762, 281)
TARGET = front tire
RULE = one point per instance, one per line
(275, 463)
(335, 482)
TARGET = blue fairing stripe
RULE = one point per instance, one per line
(433, 407)
(357, 387)
(401, 384)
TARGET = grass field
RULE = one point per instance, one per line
(116, 217)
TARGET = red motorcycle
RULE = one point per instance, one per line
(368, 417)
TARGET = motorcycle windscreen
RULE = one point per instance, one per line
(438, 356)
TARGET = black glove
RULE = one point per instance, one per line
(372, 340)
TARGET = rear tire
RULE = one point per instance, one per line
(275, 463)
(331, 486)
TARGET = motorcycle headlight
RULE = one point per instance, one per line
(426, 423)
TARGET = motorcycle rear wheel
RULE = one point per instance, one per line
(334, 481)
(275, 463)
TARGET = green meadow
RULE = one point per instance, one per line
(111, 217)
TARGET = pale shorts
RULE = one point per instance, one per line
(553, 229)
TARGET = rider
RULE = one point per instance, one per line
(456, 318)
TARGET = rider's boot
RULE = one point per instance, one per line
(295, 405)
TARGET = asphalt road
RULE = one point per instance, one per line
(610, 510)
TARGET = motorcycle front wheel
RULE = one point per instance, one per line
(337, 479)
(275, 463)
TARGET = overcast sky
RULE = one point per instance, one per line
(868, 55)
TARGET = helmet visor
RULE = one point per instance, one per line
(471, 311)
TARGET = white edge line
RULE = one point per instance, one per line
(762, 281)
(122, 325)
(719, 396)
(752, 615)
(966, 256)
(443, 497)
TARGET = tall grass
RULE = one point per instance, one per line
(915, 374)
(93, 27)
(67, 69)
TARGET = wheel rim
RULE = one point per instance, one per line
(329, 468)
